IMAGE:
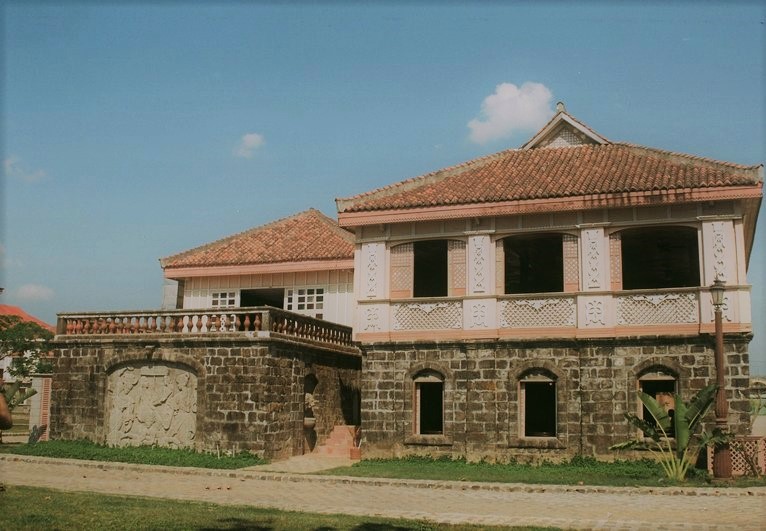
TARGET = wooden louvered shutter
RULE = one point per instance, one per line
(456, 269)
(615, 260)
(571, 263)
(402, 271)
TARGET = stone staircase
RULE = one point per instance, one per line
(340, 443)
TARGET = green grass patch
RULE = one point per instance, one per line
(145, 455)
(31, 508)
(577, 471)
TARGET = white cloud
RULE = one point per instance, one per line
(512, 109)
(34, 292)
(247, 144)
(13, 167)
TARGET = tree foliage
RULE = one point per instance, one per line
(25, 342)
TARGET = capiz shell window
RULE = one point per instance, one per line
(224, 299)
(308, 301)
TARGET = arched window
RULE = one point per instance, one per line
(661, 384)
(537, 404)
(534, 263)
(660, 257)
(429, 403)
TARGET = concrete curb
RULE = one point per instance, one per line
(415, 483)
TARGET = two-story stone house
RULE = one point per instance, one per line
(508, 306)
(513, 304)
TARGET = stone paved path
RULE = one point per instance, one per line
(599, 508)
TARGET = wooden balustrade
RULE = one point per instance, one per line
(205, 321)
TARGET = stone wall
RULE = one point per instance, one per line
(249, 391)
(596, 382)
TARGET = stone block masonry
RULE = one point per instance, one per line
(487, 384)
(225, 393)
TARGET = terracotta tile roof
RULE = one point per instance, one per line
(15, 311)
(523, 174)
(306, 236)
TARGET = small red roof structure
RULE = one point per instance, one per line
(15, 311)
(309, 236)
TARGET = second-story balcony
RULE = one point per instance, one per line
(254, 322)
(677, 311)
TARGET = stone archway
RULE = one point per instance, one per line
(151, 403)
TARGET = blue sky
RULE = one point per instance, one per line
(132, 131)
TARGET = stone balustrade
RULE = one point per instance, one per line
(204, 322)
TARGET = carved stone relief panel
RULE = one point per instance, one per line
(374, 318)
(479, 313)
(720, 254)
(479, 263)
(373, 256)
(595, 311)
(151, 403)
(593, 259)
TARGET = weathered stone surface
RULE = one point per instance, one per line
(596, 382)
(249, 392)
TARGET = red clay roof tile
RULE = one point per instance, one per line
(15, 311)
(307, 236)
(522, 174)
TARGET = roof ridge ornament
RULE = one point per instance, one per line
(560, 107)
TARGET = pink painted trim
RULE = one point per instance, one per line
(547, 333)
(556, 204)
(257, 269)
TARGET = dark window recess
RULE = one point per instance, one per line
(262, 297)
(534, 264)
(431, 415)
(664, 257)
(662, 391)
(539, 409)
(430, 279)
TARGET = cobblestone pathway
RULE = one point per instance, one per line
(439, 501)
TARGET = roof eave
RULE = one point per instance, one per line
(553, 204)
(180, 272)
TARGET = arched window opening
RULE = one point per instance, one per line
(661, 385)
(429, 403)
(534, 263)
(537, 398)
(660, 257)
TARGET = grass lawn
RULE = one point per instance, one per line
(27, 508)
(147, 455)
(578, 471)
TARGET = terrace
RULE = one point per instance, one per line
(261, 322)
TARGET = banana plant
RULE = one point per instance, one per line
(676, 455)
(14, 395)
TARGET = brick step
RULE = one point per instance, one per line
(339, 443)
